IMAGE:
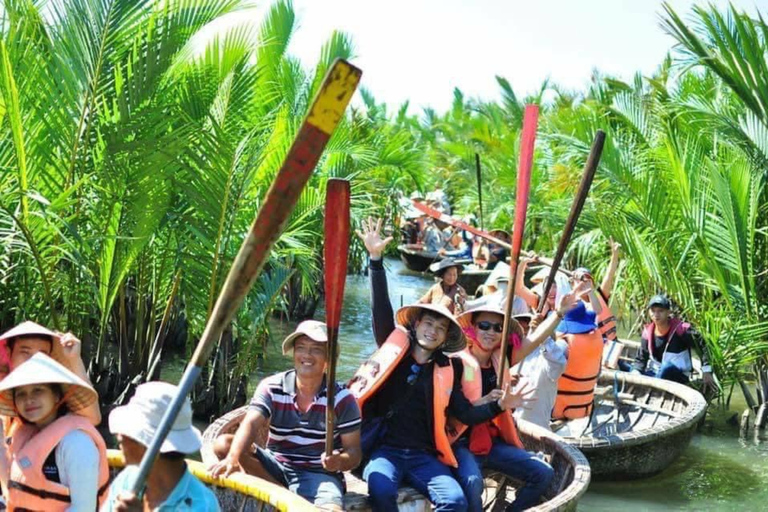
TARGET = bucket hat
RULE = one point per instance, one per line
(140, 418)
(313, 329)
(440, 267)
(578, 320)
(454, 340)
(41, 369)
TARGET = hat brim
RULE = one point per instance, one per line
(454, 340)
(290, 341)
(129, 421)
(465, 319)
(658, 305)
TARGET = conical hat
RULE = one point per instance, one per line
(454, 341)
(29, 328)
(465, 319)
(41, 369)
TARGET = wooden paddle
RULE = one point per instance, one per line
(573, 216)
(324, 115)
(530, 122)
(479, 188)
(335, 256)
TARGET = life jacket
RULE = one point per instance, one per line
(576, 386)
(472, 386)
(28, 488)
(681, 360)
(606, 322)
(377, 369)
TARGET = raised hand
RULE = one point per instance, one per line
(615, 246)
(70, 346)
(569, 300)
(512, 399)
(370, 234)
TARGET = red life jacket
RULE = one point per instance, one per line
(377, 369)
(576, 386)
(28, 488)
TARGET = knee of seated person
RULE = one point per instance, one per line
(456, 503)
(473, 485)
(381, 487)
(543, 473)
(222, 444)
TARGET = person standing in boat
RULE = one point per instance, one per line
(497, 253)
(447, 292)
(495, 444)
(292, 405)
(170, 485)
(406, 391)
(665, 348)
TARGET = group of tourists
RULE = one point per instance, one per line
(426, 409)
(429, 408)
(54, 458)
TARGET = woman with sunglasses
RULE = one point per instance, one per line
(495, 444)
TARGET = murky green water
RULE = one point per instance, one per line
(717, 472)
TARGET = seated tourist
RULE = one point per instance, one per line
(406, 391)
(447, 291)
(58, 460)
(495, 444)
(170, 485)
(665, 349)
(292, 404)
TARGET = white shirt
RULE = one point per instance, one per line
(77, 458)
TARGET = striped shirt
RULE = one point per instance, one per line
(295, 438)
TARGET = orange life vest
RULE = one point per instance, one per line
(606, 322)
(576, 386)
(28, 488)
(377, 369)
(472, 386)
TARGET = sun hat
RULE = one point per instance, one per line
(140, 418)
(659, 301)
(465, 319)
(578, 320)
(29, 328)
(41, 369)
(454, 340)
(440, 267)
(313, 329)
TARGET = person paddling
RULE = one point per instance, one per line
(447, 292)
(665, 350)
(58, 460)
(407, 389)
(170, 485)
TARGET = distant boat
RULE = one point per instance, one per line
(571, 480)
(639, 426)
(417, 259)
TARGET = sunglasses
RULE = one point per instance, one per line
(415, 371)
(486, 326)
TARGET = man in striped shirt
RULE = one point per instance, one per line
(293, 405)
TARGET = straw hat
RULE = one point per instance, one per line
(41, 369)
(314, 330)
(455, 339)
(31, 329)
(140, 418)
(465, 319)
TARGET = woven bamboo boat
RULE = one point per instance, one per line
(471, 280)
(572, 472)
(639, 425)
(239, 492)
(416, 259)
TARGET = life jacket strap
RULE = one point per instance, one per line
(581, 379)
(40, 493)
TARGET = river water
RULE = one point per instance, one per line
(717, 472)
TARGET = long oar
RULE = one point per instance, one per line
(324, 115)
(530, 122)
(573, 216)
(479, 188)
(335, 255)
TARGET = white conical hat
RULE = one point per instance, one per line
(29, 328)
(41, 369)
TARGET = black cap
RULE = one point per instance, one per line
(660, 301)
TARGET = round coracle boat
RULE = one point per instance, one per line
(471, 279)
(572, 471)
(638, 427)
(417, 259)
(239, 492)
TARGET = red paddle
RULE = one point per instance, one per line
(335, 255)
(530, 121)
